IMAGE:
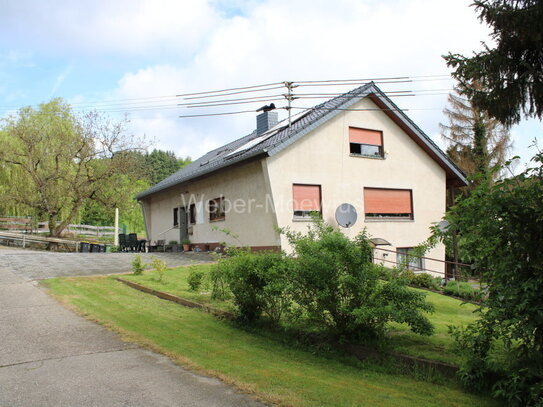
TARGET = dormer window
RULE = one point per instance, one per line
(365, 142)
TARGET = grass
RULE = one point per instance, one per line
(440, 346)
(274, 371)
(175, 282)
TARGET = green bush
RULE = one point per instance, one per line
(160, 267)
(137, 265)
(219, 283)
(195, 279)
(425, 280)
(462, 290)
(333, 280)
(407, 275)
(258, 282)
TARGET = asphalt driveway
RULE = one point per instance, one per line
(49, 356)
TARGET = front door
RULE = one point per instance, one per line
(183, 225)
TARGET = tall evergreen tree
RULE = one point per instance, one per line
(476, 142)
(161, 164)
(512, 72)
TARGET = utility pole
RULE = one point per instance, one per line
(289, 97)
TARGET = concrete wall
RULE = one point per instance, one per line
(244, 188)
(322, 157)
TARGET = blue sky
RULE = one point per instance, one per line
(88, 52)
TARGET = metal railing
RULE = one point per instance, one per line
(456, 266)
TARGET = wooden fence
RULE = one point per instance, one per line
(82, 230)
(16, 223)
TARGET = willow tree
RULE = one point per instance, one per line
(476, 142)
(63, 159)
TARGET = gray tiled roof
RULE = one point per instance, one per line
(303, 124)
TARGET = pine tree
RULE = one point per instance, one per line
(476, 142)
(512, 70)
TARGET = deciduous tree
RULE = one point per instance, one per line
(64, 159)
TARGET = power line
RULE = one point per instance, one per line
(165, 102)
(230, 100)
(216, 114)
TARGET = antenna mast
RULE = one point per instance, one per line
(289, 97)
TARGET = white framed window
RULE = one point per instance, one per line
(405, 256)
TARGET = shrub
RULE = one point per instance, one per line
(195, 279)
(219, 283)
(334, 281)
(462, 290)
(172, 242)
(137, 266)
(425, 280)
(160, 267)
(407, 275)
(258, 283)
(499, 224)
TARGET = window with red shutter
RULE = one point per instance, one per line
(388, 203)
(306, 200)
(365, 142)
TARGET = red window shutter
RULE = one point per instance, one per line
(306, 197)
(387, 201)
(363, 136)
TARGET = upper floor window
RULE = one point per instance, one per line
(366, 143)
(306, 199)
(216, 209)
(388, 203)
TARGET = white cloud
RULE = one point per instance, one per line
(307, 39)
(97, 27)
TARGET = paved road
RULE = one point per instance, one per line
(36, 265)
(50, 356)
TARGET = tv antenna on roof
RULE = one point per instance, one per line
(289, 97)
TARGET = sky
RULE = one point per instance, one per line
(134, 56)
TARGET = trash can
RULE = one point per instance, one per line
(101, 248)
(84, 247)
(108, 248)
(94, 248)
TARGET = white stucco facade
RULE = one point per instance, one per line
(322, 158)
(259, 197)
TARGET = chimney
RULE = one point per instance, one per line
(266, 120)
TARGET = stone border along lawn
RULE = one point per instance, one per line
(439, 347)
(262, 363)
(358, 351)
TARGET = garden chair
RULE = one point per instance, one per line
(132, 243)
(158, 246)
(122, 242)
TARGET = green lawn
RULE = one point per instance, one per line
(175, 282)
(259, 364)
(448, 311)
(440, 346)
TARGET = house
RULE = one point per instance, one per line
(358, 149)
